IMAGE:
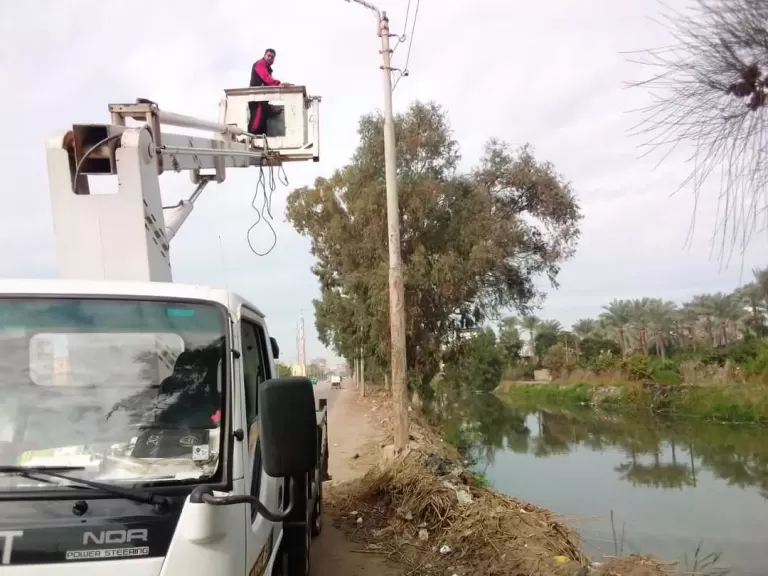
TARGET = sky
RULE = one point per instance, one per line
(550, 73)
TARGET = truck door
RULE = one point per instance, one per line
(260, 532)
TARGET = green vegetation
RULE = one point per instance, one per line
(478, 360)
(735, 403)
(283, 370)
(314, 371)
(708, 357)
(473, 243)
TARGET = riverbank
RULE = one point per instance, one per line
(742, 402)
(424, 513)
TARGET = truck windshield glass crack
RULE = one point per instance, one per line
(119, 390)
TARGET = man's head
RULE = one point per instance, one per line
(269, 56)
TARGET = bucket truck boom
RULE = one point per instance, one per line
(143, 429)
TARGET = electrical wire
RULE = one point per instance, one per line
(403, 37)
(88, 153)
(266, 184)
(410, 45)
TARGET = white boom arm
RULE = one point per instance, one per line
(126, 235)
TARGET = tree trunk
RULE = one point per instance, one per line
(621, 342)
(660, 347)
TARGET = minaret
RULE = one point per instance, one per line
(301, 343)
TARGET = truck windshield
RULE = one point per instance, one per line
(128, 390)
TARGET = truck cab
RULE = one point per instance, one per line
(143, 431)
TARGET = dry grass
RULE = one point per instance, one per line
(634, 566)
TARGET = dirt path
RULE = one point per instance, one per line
(354, 446)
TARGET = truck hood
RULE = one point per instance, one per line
(111, 536)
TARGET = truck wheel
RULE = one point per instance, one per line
(317, 513)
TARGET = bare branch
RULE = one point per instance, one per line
(709, 92)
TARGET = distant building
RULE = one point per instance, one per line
(322, 362)
(528, 350)
(469, 333)
(339, 369)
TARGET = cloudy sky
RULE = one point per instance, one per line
(549, 73)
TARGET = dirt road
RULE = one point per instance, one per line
(354, 443)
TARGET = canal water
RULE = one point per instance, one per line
(679, 489)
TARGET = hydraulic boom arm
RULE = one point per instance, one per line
(126, 235)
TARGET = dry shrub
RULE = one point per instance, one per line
(606, 377)
(580, 375)
(492, 535)
(696, 373)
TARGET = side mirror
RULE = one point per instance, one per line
(288, 427)
(275, 348)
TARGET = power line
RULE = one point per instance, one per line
(410, 42)
(402, 38)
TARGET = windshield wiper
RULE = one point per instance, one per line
(135, 494)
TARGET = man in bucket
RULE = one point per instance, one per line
(261, 75)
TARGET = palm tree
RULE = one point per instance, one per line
(617, 316)
(547, 335)
(723, 310)
(585, 327)
(639, 320)
(661, 316)
(531, 324)
(702, 304)
(754, 296)
(550, 327)
(761, 280)
(509, 338)
(688, 317)
(509, 322)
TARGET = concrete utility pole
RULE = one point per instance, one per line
(396, 288)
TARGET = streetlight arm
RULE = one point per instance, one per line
(369, 6)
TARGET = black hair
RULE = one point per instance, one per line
(268, 50)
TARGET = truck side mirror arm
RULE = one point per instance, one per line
(204, 494)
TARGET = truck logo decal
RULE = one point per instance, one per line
(115, 536)
(111, 537)
(6, 538)
(107, 553)
(188, 441)
(153, 440)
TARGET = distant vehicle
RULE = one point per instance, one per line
(335, 381)
(314, 381)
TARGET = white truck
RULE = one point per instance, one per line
(143, 431)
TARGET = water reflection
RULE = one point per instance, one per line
(670, 483)
(660, 452)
